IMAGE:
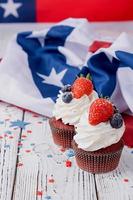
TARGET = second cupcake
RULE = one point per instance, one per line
(98, 144)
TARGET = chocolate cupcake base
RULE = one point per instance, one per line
(100, 161)
(62, 133)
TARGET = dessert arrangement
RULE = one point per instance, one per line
(71, 103)
(92, 126)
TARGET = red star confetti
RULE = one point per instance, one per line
(27, 151)
(62, 149)
(11, 137)
(68, 163)
(5, 135)
(7, 119)
(39, 122)
(19, 164)
(29, 131)
(126, 180)
(39, 193)
(35, 116)
(23, 136)
(20, 144)
(51, 180)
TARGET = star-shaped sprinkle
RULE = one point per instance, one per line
(39, 193)
(70, 153)
(19, 124)
(8, 132)
(126, 180)
(19, 164)
(7, 146)
(47, 197)
(68, 163)
(49, 156)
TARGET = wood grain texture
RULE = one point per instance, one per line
(9, 137)
(44, 174)
(119, 183)
(33, 168)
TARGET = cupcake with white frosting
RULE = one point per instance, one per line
(97, 143)
(71, 103)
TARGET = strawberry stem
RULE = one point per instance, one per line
(107, 97)
(89, 77)
(101, 95)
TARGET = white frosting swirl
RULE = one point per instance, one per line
(92, 138)
(70, 113)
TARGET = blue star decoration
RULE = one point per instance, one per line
(47, 64)
(19, 124)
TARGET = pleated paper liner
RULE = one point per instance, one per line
(100, 161)
(62, 133)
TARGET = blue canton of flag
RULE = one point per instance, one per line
(17, 11)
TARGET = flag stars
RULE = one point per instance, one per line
(53, 78)
(10, 8)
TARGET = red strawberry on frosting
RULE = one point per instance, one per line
(101, 110)
(81, 87)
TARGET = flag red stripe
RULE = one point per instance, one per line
(94, 10)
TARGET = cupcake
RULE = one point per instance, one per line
(97, 143)
(71, 103)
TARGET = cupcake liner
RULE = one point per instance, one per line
(98, 161)
(62, 137)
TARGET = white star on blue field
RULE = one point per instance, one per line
(16, 11)
(10, 8)
(19, 124)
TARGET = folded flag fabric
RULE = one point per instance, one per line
(37, 64)
(112, 72)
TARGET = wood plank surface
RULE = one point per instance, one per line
(9, 137)
(44, 174)
(33, 168)
(119, 183)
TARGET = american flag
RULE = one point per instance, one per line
(53, 11)
(38, 63)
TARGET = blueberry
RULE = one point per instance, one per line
(66, 88)
(67, 97)
(116, 121)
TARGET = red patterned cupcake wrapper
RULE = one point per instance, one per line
(62, 137)
(94, 162)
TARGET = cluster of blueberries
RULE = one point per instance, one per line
(67, 96)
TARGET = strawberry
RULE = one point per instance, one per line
(82, 86)
(101, 110)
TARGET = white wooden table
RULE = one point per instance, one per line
(33, 168)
